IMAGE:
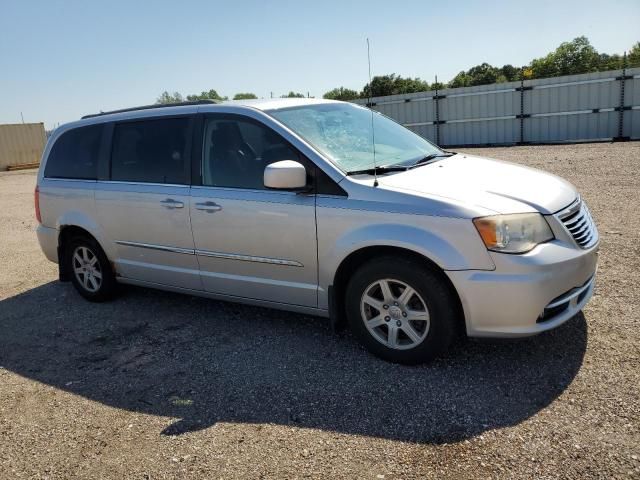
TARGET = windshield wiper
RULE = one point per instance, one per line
(380, 169)
(430, 157)
(400, 168)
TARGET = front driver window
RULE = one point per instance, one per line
(236, 152)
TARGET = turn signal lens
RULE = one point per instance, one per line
(516, 233)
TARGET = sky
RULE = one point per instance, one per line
(60, 60)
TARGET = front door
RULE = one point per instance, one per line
(143, 207)
(251, 242)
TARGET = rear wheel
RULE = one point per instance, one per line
(90, 270)
(401, 311)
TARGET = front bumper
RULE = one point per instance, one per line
(527, 294)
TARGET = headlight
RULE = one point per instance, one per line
(517, 233)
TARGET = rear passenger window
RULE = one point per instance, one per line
(75, 154)
(151, 151)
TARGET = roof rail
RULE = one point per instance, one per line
(149, 107)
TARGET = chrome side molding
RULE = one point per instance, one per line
(249, 258)
(207, 253)
(162, 248)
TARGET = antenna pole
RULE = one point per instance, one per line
(437, 98)
(373, 133)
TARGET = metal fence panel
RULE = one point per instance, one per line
(631, 125)
(592, 126)
(569, 108)
(562, 94)
(499, 131)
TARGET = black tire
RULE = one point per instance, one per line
(433, 293)
(107, 284)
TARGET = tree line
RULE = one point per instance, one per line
(570, 58)
(176, 97)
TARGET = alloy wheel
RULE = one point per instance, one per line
(87, 269)
(395, 314)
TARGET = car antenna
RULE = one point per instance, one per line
(373, 133)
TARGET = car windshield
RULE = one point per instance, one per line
(343, 132)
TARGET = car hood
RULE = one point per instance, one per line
(495, 185)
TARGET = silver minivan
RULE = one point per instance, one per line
(320, 207)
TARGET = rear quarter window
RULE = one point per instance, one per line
(75, 154)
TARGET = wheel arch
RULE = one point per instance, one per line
(67, 232)
(359, 257)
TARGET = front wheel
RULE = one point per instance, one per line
(401, 311)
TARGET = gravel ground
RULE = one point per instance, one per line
(159, 385)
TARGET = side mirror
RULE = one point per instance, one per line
(285, 175)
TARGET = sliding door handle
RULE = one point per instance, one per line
(170, 203)
(208, 207)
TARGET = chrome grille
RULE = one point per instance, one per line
(578, 221)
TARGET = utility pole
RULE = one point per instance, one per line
(22, 117)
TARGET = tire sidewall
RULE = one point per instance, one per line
(429, 285)
(107, 287)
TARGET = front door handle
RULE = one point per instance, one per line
(208, 207)
(171, 203)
